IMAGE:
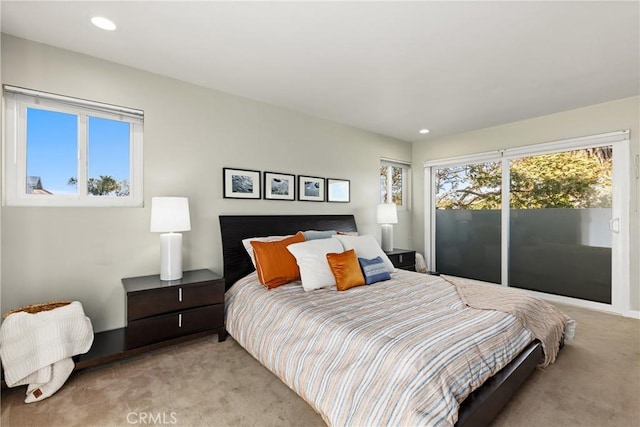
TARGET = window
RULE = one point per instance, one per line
(63, 151)
(393, 183)
(548, 218)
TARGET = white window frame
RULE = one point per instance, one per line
(405, 182)
(15, 103)
(620, 280)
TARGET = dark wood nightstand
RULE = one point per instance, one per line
(154, 305)
(403, 258)
(160, 310)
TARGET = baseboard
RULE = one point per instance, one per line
(635, 314)
(605, 308)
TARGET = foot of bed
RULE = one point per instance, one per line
(481, 406)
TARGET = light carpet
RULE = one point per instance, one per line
(594, 382)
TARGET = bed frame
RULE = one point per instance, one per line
(478, 409)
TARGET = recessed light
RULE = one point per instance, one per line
(103, 23)
(423, 131)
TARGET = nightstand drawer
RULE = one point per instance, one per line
(159, 328)
(173, 298)
(402, 258)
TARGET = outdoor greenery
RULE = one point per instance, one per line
(570, 179)
(104, 186)
(396, 184)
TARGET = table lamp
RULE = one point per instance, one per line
(170, 215)
(387, 215)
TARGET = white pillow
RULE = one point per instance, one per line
(311, 257)
(247, 244)
(366, 247)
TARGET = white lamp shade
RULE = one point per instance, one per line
(170, 214)
(387, 214)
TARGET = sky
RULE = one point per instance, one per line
(52, 148)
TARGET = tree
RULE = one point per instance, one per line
(396, 183)
(104, 186)
(469, 187)
(570, 179)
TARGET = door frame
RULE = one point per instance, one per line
(620, 210)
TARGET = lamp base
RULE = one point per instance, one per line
(387, 237)
(170, 256)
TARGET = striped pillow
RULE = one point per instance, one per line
(374, 270)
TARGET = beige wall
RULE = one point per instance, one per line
(191, 133)
(601, 118)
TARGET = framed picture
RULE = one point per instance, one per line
(338, 190)
(279, 186)
(241, 184)
(310, 188)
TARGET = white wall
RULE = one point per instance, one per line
(600, 118)
(191, 133)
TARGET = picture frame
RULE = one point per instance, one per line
(279, 186)
(241, 184)
(338, 190)
(311, 188)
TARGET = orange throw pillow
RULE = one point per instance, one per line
(274, 263)
(346, 269)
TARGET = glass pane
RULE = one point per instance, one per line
(108, 168)
(396, 185)
(560, 241)
(468, 221)
(383, 183)
(52, 152)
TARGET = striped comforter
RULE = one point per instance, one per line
(400, 352)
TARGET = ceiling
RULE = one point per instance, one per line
(386, 67)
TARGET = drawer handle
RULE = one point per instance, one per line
(179, 294)
(180, 320)
(400, 257)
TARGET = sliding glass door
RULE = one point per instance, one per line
(468, 200)
(559, 237)
(543, 218)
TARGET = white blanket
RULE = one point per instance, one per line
(36, 349)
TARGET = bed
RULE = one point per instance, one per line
(512, 365)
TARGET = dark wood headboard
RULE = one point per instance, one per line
(234, 228)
